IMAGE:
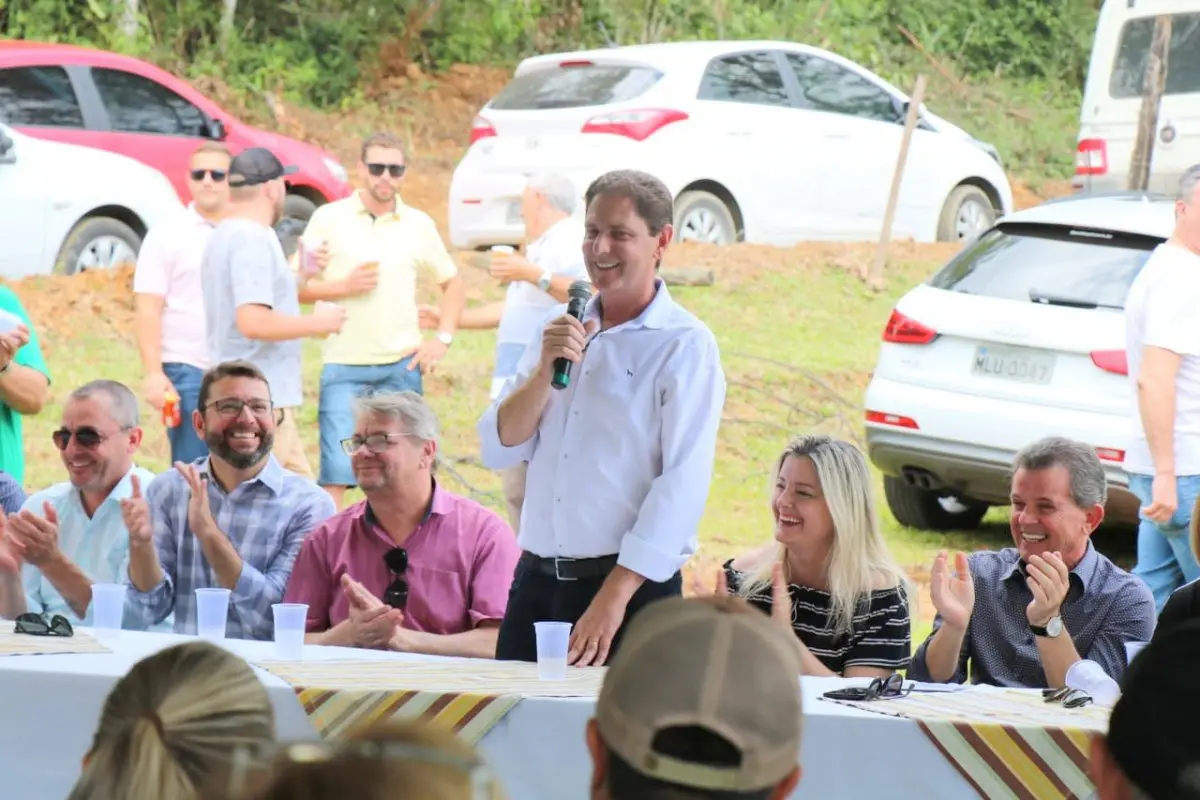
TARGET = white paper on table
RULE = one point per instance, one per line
(937, 688)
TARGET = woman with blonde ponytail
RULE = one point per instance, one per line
(828, 574)
(173, 723)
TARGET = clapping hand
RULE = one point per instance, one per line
(953, 593)
(36, 537)
(135, 512)
(372, 624)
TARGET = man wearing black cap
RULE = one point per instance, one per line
(251, 308)
(1152, 750)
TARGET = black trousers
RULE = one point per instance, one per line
(537, 597)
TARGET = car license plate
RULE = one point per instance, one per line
(514, 213)
(1014, 364)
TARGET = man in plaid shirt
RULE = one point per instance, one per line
(235, 521)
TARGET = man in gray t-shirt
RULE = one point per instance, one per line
(250, 303)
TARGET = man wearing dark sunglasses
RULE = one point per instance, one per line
(72, 534)
(414, 568)
(376, 248)
(170, 304)
(234, 521)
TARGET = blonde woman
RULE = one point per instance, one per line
(393, 761)
(828, 574)
(173, 723)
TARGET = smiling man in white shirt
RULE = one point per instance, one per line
(620, 460)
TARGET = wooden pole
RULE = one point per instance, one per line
(1152, 91)
(889, 214)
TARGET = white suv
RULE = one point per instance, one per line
(66, 208)
(1020, 336)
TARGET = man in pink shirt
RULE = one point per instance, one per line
(413, 568)
(169, 301)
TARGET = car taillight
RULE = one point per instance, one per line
(901, 329)
(582, 62)
(1110, 454)
(1111, 361)
(637, 124)
(895, 420)
(481, 129)
(1091, 157)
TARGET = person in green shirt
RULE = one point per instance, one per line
(24, 383)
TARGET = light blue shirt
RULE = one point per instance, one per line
(98, 545)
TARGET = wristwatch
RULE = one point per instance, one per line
(544, 281)
(1053, 628)
(445, 338)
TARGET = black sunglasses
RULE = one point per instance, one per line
(87, 437)
(396, 594)
(38, 625)
(218, 175)
(878, 689)
(394, 170)
(1070, 698)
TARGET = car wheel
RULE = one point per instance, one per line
(930, 510)
(297, 211)
(97, 243)
(968, 212)
(703, 217)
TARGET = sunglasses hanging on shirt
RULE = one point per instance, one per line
(396, 594)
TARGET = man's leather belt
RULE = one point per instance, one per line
(569, 569)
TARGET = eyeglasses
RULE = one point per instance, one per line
(232, 407)
(1070, 698)
(38, 625)
(375, 443)
(85, 436)
(396, 594)
(246, 761)
(888, 688)
(218, 175)
(394, 170)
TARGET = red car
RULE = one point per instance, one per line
(117, 103)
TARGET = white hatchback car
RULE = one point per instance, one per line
(765, 142)
(1020, 336)
(65, 208)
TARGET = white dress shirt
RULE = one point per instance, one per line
(623, 457)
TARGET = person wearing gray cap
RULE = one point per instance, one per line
(701, 701)
(251, 306)
(1152, 749)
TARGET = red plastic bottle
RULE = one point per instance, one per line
(170, 410)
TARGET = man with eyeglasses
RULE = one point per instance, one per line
(72, 535)
(413, 568)
(369, 249)
(234, 521)
(169, 301)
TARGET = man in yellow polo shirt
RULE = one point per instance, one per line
(369, 248)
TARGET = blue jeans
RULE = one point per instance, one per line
(1164, 551)
(185, 444)
(340, 384)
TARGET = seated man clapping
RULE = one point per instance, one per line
(414, 567)
(1021, 617)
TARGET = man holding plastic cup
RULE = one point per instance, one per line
(373, 247)
(235, 521)
(72, 535)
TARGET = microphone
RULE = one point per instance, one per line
(579, 293)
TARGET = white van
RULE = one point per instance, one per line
(1112, 98)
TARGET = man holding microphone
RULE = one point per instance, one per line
(620, 460)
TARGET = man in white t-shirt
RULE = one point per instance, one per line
(537, 283)
(1162, 341)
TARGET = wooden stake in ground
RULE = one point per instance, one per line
(889, 213)
(1152, 91)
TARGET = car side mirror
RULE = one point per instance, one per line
(216, 130)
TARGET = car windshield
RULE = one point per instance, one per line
(575, 87)
(1050, 264)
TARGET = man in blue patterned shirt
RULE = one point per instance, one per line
(1047, 603)
(234, 521)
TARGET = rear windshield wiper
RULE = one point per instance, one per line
(1069, 302)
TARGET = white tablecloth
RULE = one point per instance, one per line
(49, 706)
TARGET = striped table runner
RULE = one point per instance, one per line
(1007, 743)
(22, 644)
(467, 696)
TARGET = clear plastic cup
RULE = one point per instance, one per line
(290, 621)
(108, 609)
(212, 612)
(552, 641)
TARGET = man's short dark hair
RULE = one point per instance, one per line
(228, 369)
(689, 743)
(383, 139)
(650, 196)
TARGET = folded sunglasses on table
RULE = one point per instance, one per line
(43, 625)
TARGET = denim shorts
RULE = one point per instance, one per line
(340, 385)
